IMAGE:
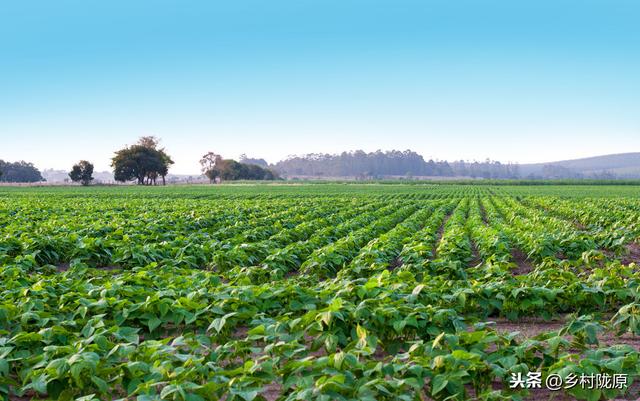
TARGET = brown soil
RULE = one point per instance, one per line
(633, 254)
(483, 213)
(532, 326)
(272, 391)
(609, 339)
(240, 332)
(527, 326)
(523, 266)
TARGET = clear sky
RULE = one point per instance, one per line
(510, 80)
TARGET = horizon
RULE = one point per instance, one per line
(351, 151)
(464, 80)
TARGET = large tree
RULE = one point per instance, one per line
(82, 172)
(210, 164)
(142, 162)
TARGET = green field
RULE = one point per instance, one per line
(317, 291)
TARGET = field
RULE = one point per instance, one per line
(318, 292)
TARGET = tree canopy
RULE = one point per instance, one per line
(82, 172)
(19, 172)
(210, 163)
(215, 167)
(143, 162)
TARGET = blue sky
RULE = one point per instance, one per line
(510, 80)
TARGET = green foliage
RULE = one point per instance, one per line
(82, 172)
(142, 162)
(19, 172)
(311, 292)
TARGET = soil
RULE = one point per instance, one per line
(609, 339)
(272, 391)
(240, 332)
(483, 213)
(527, 326)
(633, 254)
(523, 266)
(530, 327)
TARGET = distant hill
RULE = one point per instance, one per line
(622, 165)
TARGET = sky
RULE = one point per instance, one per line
(519, 81)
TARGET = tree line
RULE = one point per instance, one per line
(19, 172)
(146, 163)
(380, 164)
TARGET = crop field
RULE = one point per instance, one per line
(319, 292)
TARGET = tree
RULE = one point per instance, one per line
(82, 172)
(142, 162)
(215, 167)
(231, 170)
(210, 163)
(19, 172)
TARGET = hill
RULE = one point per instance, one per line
(622, 165)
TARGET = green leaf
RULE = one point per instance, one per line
(417, 289)
(217, 324)
(39, 384)
(153, 323)
(4, 368)
(258, 330)
(128, 334)
(438, 383)
(101, 384)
